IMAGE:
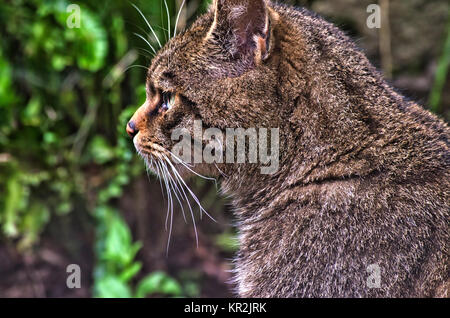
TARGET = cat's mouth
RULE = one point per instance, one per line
(163, 162)
(153, 154)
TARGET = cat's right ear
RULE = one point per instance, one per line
(241, 28)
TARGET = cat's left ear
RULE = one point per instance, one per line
(242, 27)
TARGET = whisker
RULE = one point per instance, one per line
(190, 208)
(220, 171)
(168, 18)
(178, 159)
(215, 164)
(148, 43)
(186, 166)
(147, 33)
(171, 211)
(174, 184)
(190, 191)
(178, 18)
(161, 28)
(142, 31)
(153, 164)
(159, 178)
(147, 170)
(162, 20)
(168, 193)
(175, 189)
(149, 25)
(132, 66)
(149, 55)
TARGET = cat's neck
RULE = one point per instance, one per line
(257, 196)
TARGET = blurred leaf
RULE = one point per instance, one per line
(63, 146)
(228, 242)
(118, 243)
(100, 151)
(130, 272)
(6, 93)
(158, 283)
(33, 222)
(112, 287)
(92, 50)
(14, 193)
(192, 289)
(31, 113)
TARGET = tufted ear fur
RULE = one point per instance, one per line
(241, 27)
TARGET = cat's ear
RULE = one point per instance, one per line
(241, 27)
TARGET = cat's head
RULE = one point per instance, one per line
(221, 71)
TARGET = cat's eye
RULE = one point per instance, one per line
(168, 101)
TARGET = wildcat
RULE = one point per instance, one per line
(359, 206)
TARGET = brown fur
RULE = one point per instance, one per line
(364, 173)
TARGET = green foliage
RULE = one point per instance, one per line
(49, 82)
(87, 45)
(158, 283)
(117, 267)
(66, 95)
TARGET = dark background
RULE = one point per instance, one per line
(73, 191)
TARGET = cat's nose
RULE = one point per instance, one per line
(131, 129)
